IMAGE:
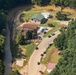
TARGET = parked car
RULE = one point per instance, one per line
(36, 48)
(41, 54)
(44, 32)
(49, 43)
(53, 34)
(45, 28)
(49, 36)
(40, 72)
(39, 37)
(38, 63)
(44, 52)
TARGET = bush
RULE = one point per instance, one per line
(61, 16)
(20, 18)
(50, 25)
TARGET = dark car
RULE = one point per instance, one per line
(40, 72)
(45, 32)
(53, 34)
(49, 43)
(38, 63)
(44, 52)
(36, 48)
(41, 54)
(49, 36)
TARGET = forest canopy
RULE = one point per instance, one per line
(66, 41)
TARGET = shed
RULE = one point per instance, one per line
(38, 18)
(46, 14)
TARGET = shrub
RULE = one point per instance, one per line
(61, 16)
(50, 25)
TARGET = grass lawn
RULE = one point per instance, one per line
(29, 50)
(45, 73)
(51, 55)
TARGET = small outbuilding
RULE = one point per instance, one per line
(46, 14)
(38, 18)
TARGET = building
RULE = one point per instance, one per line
(27, 27)
(50, 67)
(38, 19)
(46, 14)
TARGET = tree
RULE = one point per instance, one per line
(20, 38)
(36, 1)
(50, 25)
(2, 42)
(2, 21)
(67, 62)
(1, 68)
(29, 34)
(61, 16)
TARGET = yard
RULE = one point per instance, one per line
(25, 51)
(28, 50)
(51, 55)
(38, 9)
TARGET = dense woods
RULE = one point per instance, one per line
(66, 42)
(8, 4)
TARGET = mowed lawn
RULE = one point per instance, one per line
(51, 55)
(29, 50)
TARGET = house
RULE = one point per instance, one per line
(38, 19)
(50, 67)
(27, 27)
(46, 14)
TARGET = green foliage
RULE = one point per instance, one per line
(20, 38)
(2, 42)
(67, 63)
(1, 68)
(36, 1)
(70, 3)
(29, 34)
(3, 32)
(51, 25)
(61, 16)
(2, 21)
(15, 73)
(60, 42)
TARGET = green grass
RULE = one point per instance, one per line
(45, 73)
(51, 55)
(30, 13)
(29, 50)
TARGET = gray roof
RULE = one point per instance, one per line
(38, 16)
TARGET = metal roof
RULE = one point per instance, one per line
(38, 16)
